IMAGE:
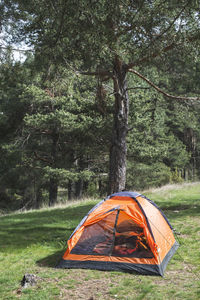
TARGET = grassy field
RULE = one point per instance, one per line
(33, 242)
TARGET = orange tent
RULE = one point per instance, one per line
(124, 232)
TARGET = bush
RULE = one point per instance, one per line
(176, 177)
(142, 176)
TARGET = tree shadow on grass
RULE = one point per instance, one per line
(179, 211)
(52, 260)
(41, 227)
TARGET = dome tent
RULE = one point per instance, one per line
(124, 232)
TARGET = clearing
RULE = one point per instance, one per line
(34, 241)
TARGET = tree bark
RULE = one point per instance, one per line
(118, 150)
(191, 144)
(53, 182)
(53, 191)
(79, 189)
(38, 197)
(69, 190)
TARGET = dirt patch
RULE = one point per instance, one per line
(89, 288)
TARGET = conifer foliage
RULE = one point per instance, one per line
(106, 85)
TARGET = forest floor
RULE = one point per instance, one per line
(34, 241)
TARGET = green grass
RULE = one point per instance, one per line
(33, 242)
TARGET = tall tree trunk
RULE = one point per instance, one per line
(69, 190)
(191, 143)
(53, 182)
(53, 191)
(38, 199)
(79, 189)
(118, 150)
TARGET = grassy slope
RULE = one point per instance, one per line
(32, 242)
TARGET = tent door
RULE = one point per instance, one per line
(98, 238)
(130, 240)
(114, 235)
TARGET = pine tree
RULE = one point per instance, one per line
(110, 39)
(13, 77)
(61, 129)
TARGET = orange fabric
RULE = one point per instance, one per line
(92, 220)
(162, 232)
(130, 260)
(129, 210)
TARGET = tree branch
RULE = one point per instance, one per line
(138, 88)
(61, 24)
(130, 27)
(42, 158)
(169, 27)
(158, 53)
(161, 91)
(102, 73)
(148, 58)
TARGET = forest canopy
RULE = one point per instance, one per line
(105, 99)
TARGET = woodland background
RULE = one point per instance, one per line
(56, 124)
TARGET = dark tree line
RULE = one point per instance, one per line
(110, 91)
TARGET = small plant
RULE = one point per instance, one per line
(176, 176)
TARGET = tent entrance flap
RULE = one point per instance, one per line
(130, 240)
(100, 233)
(115, 235)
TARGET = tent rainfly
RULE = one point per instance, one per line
(124, 232)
